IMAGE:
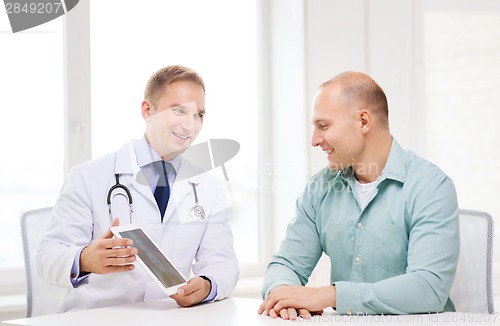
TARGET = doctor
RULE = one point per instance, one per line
(79, 252)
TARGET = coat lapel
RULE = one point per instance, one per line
(126, 163)
(181, 190)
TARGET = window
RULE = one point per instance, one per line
(215, 38)
(31, 129)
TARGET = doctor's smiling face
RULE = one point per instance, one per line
(174, 120)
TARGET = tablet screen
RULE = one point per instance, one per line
(153, 258)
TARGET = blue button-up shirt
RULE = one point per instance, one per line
(398, 255)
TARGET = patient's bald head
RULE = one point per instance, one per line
(360, 91)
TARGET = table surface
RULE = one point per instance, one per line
(233, 311)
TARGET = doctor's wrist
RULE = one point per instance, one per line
(83, 266)
(210, 289)
(207, 279)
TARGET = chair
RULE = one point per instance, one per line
(41, 298)
(472, 289)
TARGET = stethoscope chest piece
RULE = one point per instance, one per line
(197, 211)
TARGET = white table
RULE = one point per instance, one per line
(233, 311)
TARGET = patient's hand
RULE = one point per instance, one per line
(289, 302)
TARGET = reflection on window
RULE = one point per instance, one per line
(221, 46)
(462, 77)
(31, 128)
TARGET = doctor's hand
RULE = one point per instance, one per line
(193, 292)
(289, 302)
(108, 255)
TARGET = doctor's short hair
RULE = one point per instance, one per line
(169, 75)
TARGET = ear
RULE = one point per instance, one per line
(147, 110)
(365, 119)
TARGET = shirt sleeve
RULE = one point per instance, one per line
(300, 250)
(213, 290)
(433, 250)
(75, 277)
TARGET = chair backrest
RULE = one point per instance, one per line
(41, 298)
(472, 289)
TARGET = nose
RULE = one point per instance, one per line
(188, 123)
(316, 139)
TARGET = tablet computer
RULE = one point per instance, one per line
(149, 256)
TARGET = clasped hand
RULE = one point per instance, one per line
(290, 302)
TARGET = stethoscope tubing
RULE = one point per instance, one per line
(196, 211)
(118, 185)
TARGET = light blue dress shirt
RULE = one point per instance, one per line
(146, 156)
(398, 255)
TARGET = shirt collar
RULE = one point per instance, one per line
(395, 167)
(146, 155)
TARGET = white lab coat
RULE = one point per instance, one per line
(81, 215)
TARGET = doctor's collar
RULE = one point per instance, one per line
(145, 154)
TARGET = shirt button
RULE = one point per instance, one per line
(73, 275)
(357, 259)
(360, 225)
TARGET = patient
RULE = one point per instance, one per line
(387, 218)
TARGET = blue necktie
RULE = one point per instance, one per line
(162, 191)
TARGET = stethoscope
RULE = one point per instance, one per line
(196, 212)
(127, 194)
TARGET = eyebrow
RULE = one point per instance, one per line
(318, 121)
(182, 106)
(177, 105)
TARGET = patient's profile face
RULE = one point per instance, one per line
(336, 129)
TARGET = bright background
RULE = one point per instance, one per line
(71, 91)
